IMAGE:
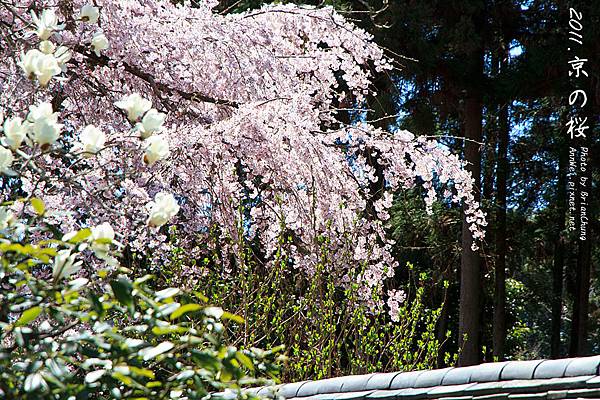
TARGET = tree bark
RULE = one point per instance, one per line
(558, 263)
(581, 299)
(579, 327)
(579, 345)
(499, 325)
(470, 263)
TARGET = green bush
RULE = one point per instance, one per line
(103, 335)
(326, 328)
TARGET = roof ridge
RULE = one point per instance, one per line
(526, 373)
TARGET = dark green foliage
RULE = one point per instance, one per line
(327, 330)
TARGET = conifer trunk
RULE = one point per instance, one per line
(470, 263)
(558, 262)
(499, 325)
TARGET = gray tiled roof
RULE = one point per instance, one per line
(537, 379)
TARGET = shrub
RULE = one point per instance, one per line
(107, 336)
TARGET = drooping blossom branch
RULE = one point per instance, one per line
(179, 115)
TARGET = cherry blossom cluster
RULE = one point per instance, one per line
(213, 123)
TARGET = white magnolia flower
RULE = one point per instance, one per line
(100, 235)
(103, 232)
(46, 131)
(41, 112)
(135, 105)
(46, 67)
(99, 42)
(47, 47)
(162, 209)
(92, 139)
(15, 131)
(38, 65)
(157, 149)
(46, 24)
(63, 55)
(89, 13)
(6, 160)
(152, 122)
(7, 218)
(28, 63)
(65, 265)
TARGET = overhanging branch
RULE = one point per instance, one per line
(151, 80)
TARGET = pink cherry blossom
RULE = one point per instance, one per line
(250, 100)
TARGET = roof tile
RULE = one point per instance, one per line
(552, 379)
(331, 385)
(267, 391)
(528, 396)
(381, 380)
(488, 372)
(556, 394)
(292, 389)
(354, 383)
(354, 395)
(595, 381)
(459, 398)
(459, 376)
(385, 394)
(551, 368)
(519, 369)
(405, 380)
(493, 396)
(453, 390)
(414, 393)
(595, 393)
(583, 366)
(432, 378)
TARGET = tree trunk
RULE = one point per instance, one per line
(558, 263)
(470, 263)
(579, 328)
(581, 298)
(499, 327)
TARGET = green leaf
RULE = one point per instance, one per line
(38, 206)
(142, 372)
(185, 309)
(123, 378)
(232, 317)
(16, 247)
(80, 236)
(244, 360)
(122, 289)
(225, 375)
(96, 304)
(205, 360)
(166, 330)
(143, 279)
(201, 296)
(28, 316)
